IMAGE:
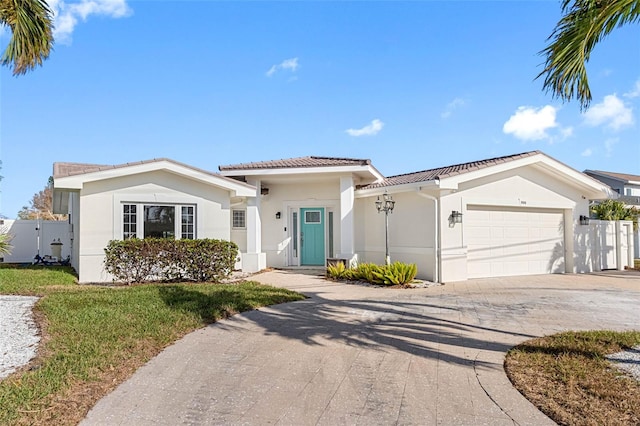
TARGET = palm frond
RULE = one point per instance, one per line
(584, 24)
(31, 39)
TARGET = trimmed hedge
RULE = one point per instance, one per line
(153, 259)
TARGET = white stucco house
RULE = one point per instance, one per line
(518, 214)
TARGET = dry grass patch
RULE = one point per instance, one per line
(568, 378)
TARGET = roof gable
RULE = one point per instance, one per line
(74, 175)
(450, 177)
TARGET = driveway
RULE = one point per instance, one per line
(352, 354)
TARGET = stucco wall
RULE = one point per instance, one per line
(283, 198)
(412, 229)
(521, 188)
(411, 232)
(101, 202)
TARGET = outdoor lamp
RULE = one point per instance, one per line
(456, 216)
(386, 205)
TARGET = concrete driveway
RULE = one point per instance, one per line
(361, 355)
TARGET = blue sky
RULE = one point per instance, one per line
(410, 85)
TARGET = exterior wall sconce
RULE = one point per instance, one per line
(386, 205)
(264, 190)
(456, 217)
(584, 220)
(278, 215)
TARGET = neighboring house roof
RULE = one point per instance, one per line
(622, 177)
(448, 171)
(299, 162)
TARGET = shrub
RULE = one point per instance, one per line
(152, 259)
(336, 271)
(397, 273)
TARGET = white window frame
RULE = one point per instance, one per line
(233, 218)
(139, 218)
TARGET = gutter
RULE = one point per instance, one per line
(436, 235)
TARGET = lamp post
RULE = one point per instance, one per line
(386, 205)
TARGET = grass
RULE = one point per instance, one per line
(95, 337)
(568, 378)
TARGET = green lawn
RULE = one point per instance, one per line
(95, 337)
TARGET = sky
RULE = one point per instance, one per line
(410, 85)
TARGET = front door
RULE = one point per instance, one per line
(312, 236)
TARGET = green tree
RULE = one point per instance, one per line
(31, 27)
(615, 210)
(41, 206)
(584, 24)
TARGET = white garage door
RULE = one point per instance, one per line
(513, 242)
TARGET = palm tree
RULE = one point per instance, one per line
(31, 33)
(584, 24)
(5, 243)
(615, 210)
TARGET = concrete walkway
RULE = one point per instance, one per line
(361, 355)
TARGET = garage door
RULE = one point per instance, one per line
(513, 242)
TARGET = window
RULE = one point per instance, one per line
(188, 230)
(295, 234)
(158, 221)
(628, 191)
(239, 219)
(312, 216)
(330, 234)
(129, 221)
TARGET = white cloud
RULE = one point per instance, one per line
(531, 124)
(452, 106)
(608, 145)
(635, 92)
(566, 132)
(288, 64)
(369, 130)
(67, 15)
(611, 112)
(587, 152)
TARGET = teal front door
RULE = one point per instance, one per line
(312, 236)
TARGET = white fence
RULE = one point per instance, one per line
(604, 245)
(31, 237)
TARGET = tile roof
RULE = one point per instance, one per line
(448, 171)
(300, 162)
(61, 170)
(620, 176)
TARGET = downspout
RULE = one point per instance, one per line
(436, 248)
